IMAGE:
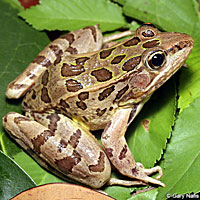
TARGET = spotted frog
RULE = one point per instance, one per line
(75, 86)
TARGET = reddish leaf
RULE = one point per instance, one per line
(28, 3)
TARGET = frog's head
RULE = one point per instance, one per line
(161, 55)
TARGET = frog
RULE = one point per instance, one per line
(83, 82)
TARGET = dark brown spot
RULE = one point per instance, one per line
(111, 108)
(121, 92)
(18, 86)
(66, 164)
(123, 152)
(5, 119)
(93, 30)
(135, 171)
(53, 119)
(81, 105)
(64, 103)
(99, 167)
(102, 74)
(132, 42)
(109, 152)
(148, 33)
(72, 50)
(181, 45)
(105, 53)
(55, 48)
(151, 44)
(174, 49)
(30, 75)
(62, 145)
(69, 37)
(71, 70)
(171, 49)
(57, 61)
(107, 126)
(83, 96)
(131, 63)
(42, 60)
(127, 96)
(100, 112)
(17, 120)
(85, 119)
(145, 124)
(106, 93)
(132, 114)
(24, 104)
(33, 94)
(118, 59)
(81, 60)
(45, 78)
(74, 139)
(45, 96)
(178, 47)
(73, 85)
(41, 139)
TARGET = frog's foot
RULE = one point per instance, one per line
(145, 179)
(151, 171)
(144, 174)
(115, 181)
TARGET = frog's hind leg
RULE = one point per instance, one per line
(64, 145)
(119, 154)
(81, 41)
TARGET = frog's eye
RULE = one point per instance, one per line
(146, 31)
(156, 59)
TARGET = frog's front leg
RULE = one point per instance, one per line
(66, 146)
(81, 41)
(118, 152)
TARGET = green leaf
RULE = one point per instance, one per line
(122, 2)
(18, 49)
(13, 179)
(118, 192)
(39, 175)
(182, 157)
(158, 117)
(190, 79)
(19, 46)
(74, 14)
(148, 195)
(171, 15)
(15, 4)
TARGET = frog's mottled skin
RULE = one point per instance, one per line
(103, 89)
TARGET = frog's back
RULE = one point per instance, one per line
(72, 75)
(92, 86)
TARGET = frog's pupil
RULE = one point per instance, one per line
(157, 59)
